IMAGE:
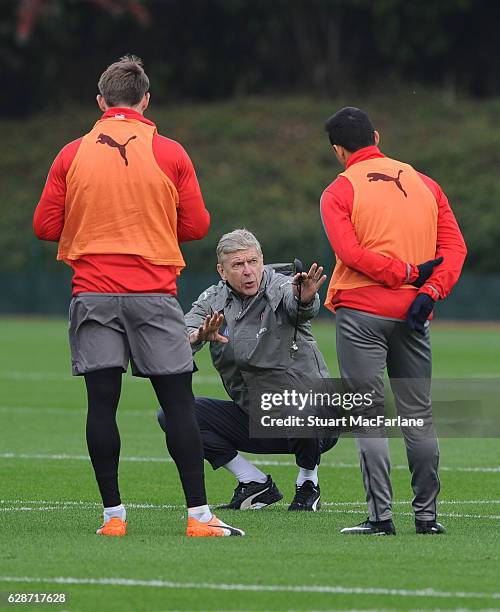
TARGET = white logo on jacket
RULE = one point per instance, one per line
(261, 331)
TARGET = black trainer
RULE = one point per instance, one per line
(254, 495)
(429, 527)
(372, 528)
(307, 497)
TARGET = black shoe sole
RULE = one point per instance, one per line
(369, 533)
(429, 532)
(292, 508)
(375, 531)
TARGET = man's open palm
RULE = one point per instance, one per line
(311, 282)
(209, 331)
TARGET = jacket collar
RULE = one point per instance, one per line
(127, 113)
(364, 154)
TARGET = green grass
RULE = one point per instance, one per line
(42, 414)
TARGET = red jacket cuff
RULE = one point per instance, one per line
(413, 274)
(431, 291)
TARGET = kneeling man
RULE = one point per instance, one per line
(251, 319)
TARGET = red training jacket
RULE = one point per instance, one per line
(387, 299)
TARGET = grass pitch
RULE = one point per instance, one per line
(49, 504)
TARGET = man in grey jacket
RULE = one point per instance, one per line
(249, 318)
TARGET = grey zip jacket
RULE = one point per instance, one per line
(260, 332)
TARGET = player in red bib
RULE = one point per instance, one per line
(119, 201)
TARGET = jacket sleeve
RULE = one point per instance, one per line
(193, 219)
(450, 245)
(200, 309)
(290, 304)
(48, 220)
(336, 209)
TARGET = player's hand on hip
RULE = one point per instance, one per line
(310, 281)
(209, 331)
(419, 312)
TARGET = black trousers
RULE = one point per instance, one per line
(224, 428)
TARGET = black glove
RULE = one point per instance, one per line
(419, 312)
(425, 270)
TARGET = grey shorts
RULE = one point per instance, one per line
(108, 330)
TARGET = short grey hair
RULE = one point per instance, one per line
(237, 240)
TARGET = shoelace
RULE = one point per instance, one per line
(243, 486)
(240, 489)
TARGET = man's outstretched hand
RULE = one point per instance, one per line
(209, 331)
(419, 312)
(310, 281)
(425, 270)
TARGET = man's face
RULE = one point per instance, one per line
(243, 270)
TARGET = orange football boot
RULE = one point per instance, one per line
(214, 528)
(114, 527)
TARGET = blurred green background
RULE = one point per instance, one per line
(246, 87)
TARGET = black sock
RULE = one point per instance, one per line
(103, 438)
(183, 436)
